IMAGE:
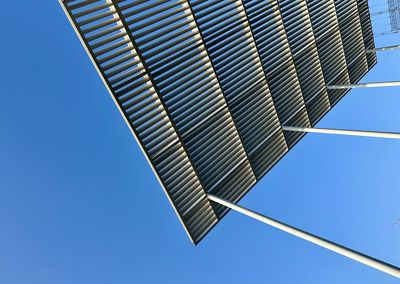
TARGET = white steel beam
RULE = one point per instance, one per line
(365, 85)
(363, 133)
(383, 48)
(357, 256)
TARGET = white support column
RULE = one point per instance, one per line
(365, 85)
(357, 256)
(376, 134)
(383, 48)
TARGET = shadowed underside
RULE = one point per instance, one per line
(205, 86)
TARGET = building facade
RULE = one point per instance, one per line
(206, 86)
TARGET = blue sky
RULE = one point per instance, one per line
(79, 204)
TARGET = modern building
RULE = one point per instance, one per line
(207, 87)
(217, 92)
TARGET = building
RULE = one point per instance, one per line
(208, 87)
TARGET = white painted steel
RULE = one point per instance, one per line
(383, 48)
(365, 85)
(357, 256)
(363, 133)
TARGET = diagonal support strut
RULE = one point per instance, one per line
(365, 85)
(363, 133)
(357, 256)
(383, 48)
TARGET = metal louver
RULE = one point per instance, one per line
(205, 86)
(301, 38)
(275, 53)
(353, 39)
(366, 27)
(330, 46)
(227, 35)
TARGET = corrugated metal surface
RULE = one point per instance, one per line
(352, 37)
(275, 53)
(116, 57)
(179, 63)
(366, 27)
(227, 35)
(301, 38)
(205, 86)
(330, 47)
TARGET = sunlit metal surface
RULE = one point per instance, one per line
(205, 86)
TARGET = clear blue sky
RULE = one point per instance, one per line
(79, 204)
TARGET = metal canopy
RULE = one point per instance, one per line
(205, 86)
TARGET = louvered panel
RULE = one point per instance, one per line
(305, 54)
(352, 37)
(274, 50)
(232, 50)
(172, 48)
(336, 95)
(329, 44)
(366, 26)
(198, 83)
(240, 179)
(106, 40)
